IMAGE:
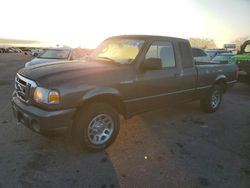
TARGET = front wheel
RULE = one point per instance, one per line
(97, 126)
(211, 102)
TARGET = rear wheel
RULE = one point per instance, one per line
(96, 126)
(211, 102)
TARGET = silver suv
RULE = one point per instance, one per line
(57, 55)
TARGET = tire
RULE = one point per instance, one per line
(212, 101)
(96, 126)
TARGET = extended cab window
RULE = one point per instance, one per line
(164, 51)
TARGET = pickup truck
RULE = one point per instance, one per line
(125, 75)
(242, 59)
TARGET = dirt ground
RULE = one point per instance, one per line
(179, 147)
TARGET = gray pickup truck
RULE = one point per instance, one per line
(125, 75)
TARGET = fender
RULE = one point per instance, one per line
(108, 95)
(220, 77)
(100, 91)
(223, 80)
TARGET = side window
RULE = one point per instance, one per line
(76, 54)
(201, 53)
(186, 55)
(198, 52)
(164, 51)
(195, 52)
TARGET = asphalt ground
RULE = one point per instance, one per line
(178, 147)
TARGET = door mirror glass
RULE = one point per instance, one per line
(152, 64)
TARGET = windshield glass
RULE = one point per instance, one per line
(55, 54)
(211, 53)
(121, 51)
(221, 58)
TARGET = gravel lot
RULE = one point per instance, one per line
(180, 147)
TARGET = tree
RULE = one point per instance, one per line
(239, 41)
(202, 43)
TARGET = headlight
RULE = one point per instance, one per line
(42, 95)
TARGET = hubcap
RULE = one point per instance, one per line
(215, 101)
(100, 129)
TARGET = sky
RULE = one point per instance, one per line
(85, 23)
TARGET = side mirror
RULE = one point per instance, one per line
(152, 64)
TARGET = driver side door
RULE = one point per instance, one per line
(156, 88)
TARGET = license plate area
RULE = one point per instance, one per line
(21, 117)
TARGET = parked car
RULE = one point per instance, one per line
(36, 52)
(214, 52)
(242, 59)
(223, 58)
(18, 50)
(56, 55)
(125, 75)
(10, 50)
(2, 50)
(26, 50)
(200, 55)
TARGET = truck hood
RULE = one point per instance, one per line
(54, 74)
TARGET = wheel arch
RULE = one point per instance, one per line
(221, 80)
(109, 96)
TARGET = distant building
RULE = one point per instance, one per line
(230, 47)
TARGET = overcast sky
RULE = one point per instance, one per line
(86, 23)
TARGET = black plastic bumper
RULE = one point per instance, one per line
(42, 121)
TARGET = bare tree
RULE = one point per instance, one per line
(202, 43)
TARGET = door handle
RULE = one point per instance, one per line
(127, 82)
(177, 75)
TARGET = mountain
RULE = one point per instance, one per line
(24, 43)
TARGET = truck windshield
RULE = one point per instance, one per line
(122, 51)
(55, 54)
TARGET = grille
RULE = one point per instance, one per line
(23, 87)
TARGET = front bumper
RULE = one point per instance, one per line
(40, 120)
